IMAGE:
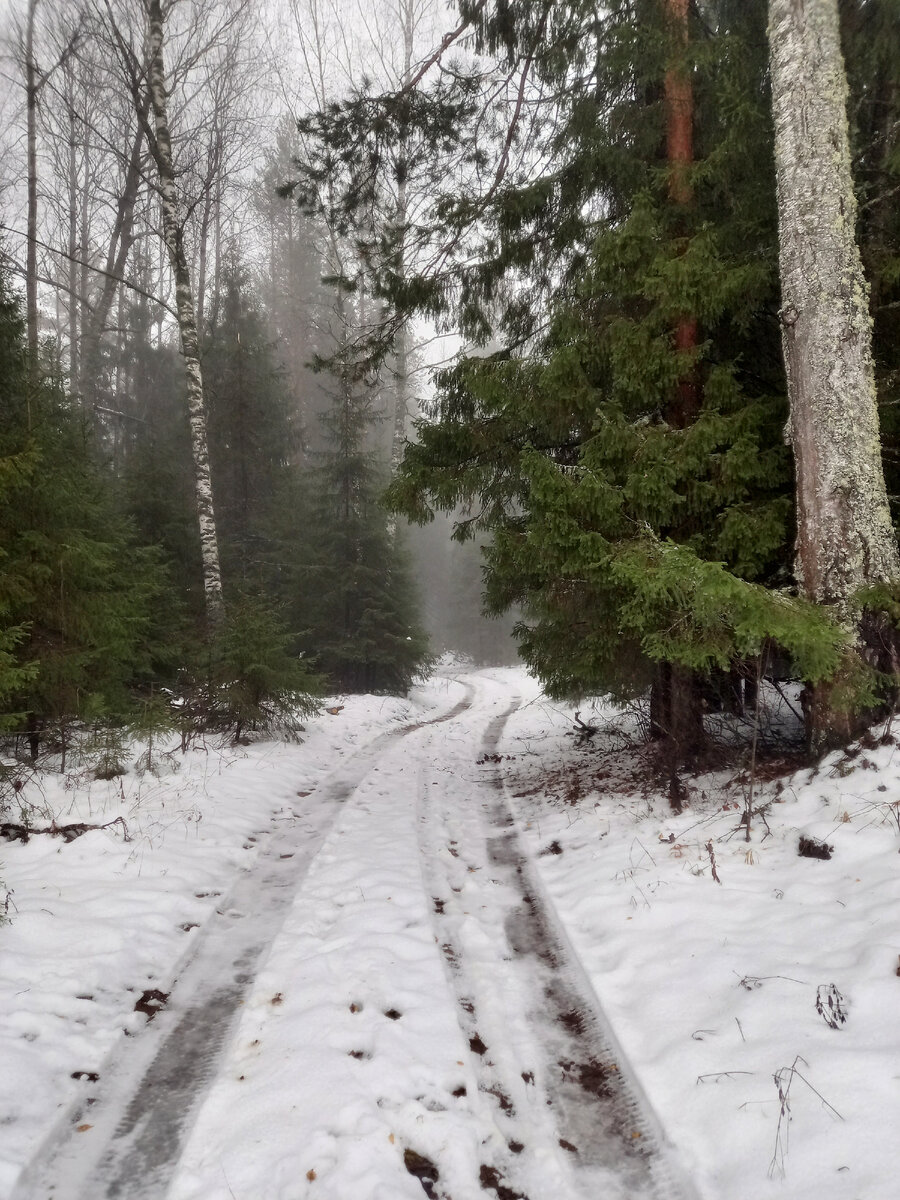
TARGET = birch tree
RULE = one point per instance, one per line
(80, 174)
(173, 235)
(148, 81)
(845, 539)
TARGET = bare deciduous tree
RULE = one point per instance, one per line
(35, 80)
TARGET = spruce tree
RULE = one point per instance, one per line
(625, 446)
(257, 680)
(355, 596)
(78, 594)
(248, 676)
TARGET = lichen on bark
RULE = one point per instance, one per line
(845, 538)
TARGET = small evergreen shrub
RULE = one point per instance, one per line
(256, 682)
(107, 751)
(155, 717)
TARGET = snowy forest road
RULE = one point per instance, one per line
(385, 1007)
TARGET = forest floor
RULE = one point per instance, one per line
(442, 947)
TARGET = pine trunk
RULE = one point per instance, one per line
(679, 100)
(676, 715)
(173, 234)
(845, 539)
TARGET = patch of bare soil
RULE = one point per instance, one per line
(491, 1180)
(423, 1169)
(151, 1002)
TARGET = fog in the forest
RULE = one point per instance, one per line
(177, 300)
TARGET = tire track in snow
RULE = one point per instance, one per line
(521, 1158)
(125, 1143)
(611, 1141)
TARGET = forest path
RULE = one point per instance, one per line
(385, 1008)
(571, 1119)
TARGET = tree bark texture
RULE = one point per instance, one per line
(173, 234)
(845, 539)
(679, 99)
(679, 103)
(676, 715)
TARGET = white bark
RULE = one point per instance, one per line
(173, 233)
(845, 539)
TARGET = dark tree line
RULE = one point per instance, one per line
(102, 584)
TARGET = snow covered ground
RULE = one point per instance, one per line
(383, 951)
(712, 987)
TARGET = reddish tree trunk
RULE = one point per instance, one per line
(676, 712)
(679, 100)
(679, 111)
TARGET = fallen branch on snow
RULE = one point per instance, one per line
(21, 833)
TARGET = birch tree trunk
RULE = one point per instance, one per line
(845, 539)
(173, 235)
